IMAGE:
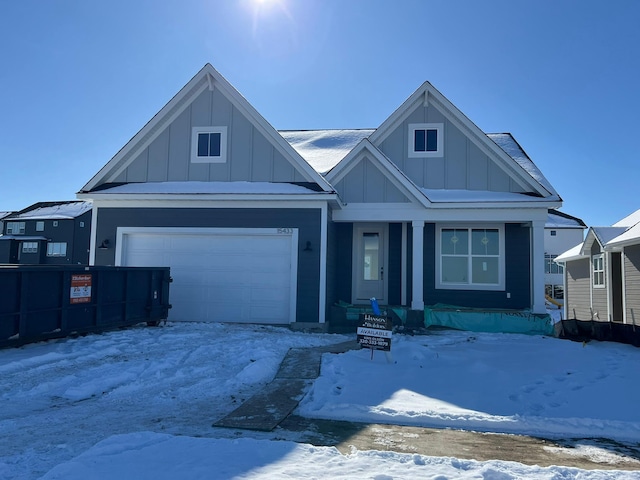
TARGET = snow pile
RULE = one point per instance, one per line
(486, 382)
(61, 211)
(137, 403)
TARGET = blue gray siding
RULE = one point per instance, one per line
(365, 183)
(517, 274)
(463, 165)
(307, 221)
(250, 155)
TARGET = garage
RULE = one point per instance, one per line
(243, 275)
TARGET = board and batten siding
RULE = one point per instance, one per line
(578, 289)
(250, 155)
(306, 220)
(365, 183)
(632, 284)
(463, 166)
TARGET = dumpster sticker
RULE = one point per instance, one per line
(80, 288)
(374, 332)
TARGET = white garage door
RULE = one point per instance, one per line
(221, 275)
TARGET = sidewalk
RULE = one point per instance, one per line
(271, 410)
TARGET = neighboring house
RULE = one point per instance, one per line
(602, 274)
(49, 233)
(561, 232)
(268, 227)
(3, 215)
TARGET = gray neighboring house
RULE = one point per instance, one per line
(276, 227)
(47, 233)
(561, 232)
(602, 274)
(3, 215)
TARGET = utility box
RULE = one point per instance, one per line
(40, 302)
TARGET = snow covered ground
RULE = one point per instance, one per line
(140, 403)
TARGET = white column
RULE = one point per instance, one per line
(417, 299)
(537, 267)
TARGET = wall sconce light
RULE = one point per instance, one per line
(104, 245)
(308, 248)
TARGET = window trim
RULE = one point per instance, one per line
(40, 226)
(471, 286)
(21, 228)
(54, 254)
(29, 247)
(222, 158)
(438, 152)
(601, 270)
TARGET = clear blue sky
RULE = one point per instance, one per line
(79, 78)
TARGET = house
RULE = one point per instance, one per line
(3, 215)
(561, 232)
(268, 227)
(602, 274)
(49, 233)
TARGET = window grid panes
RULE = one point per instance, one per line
(15, 228)
(470, 256)
(56, 249)
(29, 247)
(550, 266)
(598, 271)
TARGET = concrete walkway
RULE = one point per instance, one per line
(270, 410)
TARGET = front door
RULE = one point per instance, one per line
(369, 263)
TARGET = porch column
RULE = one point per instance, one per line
(537, 267)
(417, 276)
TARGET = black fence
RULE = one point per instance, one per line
(43, 302)
(585, 330)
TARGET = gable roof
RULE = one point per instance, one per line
(519, 168)
(629, 220)
(397, 177)
(558, 219)
(207, 77)
(65, 210)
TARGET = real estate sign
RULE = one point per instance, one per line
(374, 332)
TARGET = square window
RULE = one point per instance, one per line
(39, 226)
(55, 223)
(425, 140)
(209, 145)
(81, 224)
(553, 233)
(470, 258)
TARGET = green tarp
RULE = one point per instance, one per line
(487, 320)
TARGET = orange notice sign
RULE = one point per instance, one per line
(80, 288)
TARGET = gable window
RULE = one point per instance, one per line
(598, 270)
(425, 140)
(470, 258)
(15, 228)
(209, 145)
(56, 249)
(40, 226)
(29, 247)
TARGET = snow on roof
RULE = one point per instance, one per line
(22, 237)
(4, 214)
(629, 220)
(209, 188)
(571, 254)
(507, 143)
(323, 149)
(606, 234)
(473, 196)
(61, 211)
(558, 220)
(631, 236)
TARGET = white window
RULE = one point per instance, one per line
(209, 145)
(598, 270)
(56, 249)
(40, 226)
(550, 266)
(15, 228)
(470, 258)
(426, 140)
(29, 247)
